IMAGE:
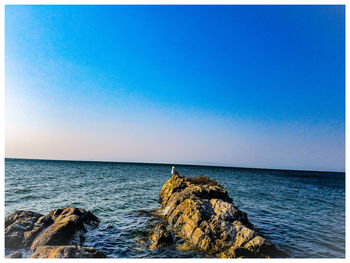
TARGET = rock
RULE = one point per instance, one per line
(68, 227)
(67, 252)
(17, 227)
(160, 236)
(61, 227)
(16, 254)
(42, 223)
(237, 252)
(201, 212)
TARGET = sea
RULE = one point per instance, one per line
(301, 212)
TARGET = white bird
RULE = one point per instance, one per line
(173, 172)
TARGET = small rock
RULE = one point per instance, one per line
(237, 252)
(160, 236)
(16, 254)
(67, 252)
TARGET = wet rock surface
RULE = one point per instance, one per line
(18, 227)
(200, 211)
(67, 252)
(16, 254)
(61, 227)
(161, 236)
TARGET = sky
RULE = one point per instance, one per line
(244, 86)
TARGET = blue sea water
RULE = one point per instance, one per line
(300, 212)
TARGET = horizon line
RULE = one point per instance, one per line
(204, 165)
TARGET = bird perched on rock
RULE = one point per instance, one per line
(173, 172)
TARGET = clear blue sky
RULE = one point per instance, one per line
(253, 86)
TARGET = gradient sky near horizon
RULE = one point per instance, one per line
(249, 86)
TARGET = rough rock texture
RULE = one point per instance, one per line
(16, 254)
(61, 227)
(67, 228)
(200, 211)
(17, 228)
(67, 252)
(160, 236)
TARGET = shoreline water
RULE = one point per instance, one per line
(282, 204)
(195, 213)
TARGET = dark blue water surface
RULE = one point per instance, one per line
(301, 212)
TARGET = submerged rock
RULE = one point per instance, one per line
(61, 227)
(201, 212)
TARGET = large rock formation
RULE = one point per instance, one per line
(201, 212)
(61, 227)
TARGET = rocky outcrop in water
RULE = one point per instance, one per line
(61, 227)
(201, 212)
